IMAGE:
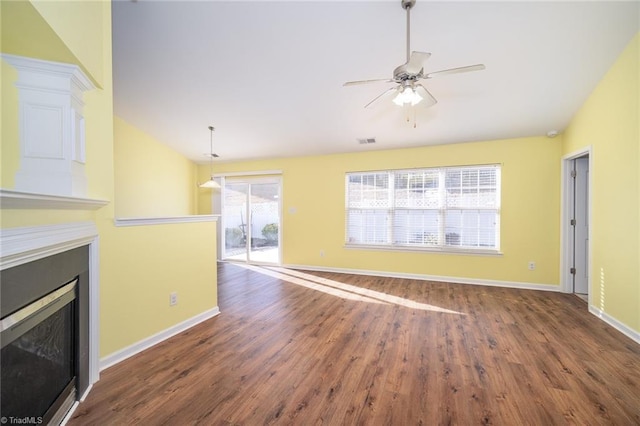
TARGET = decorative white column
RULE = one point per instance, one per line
(52, 130)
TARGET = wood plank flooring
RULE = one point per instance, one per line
(304, 348)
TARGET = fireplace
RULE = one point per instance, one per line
(44, 334)
(49, 276)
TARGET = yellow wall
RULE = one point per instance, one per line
(144, 264)
(10, 149)
(70, 18)
(314, 187)
(203, 195)
(139, 266)
(151, 179)
(25, 32)
(609, 121)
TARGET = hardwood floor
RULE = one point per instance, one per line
(305, 348)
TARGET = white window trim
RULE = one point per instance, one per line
(442, 249)
(434, 250)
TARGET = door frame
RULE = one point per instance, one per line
(270, 176)
(566, 231)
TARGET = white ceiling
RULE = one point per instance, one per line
(268, 75)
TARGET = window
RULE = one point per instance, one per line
(447, 208)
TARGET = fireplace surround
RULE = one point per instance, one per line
(48, 261)
(37, 262)
(44, 335)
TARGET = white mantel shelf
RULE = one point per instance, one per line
(29, 200)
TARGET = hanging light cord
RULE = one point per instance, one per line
(211, 128)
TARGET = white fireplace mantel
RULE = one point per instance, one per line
(10, 199)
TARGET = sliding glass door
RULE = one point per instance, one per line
(251, 220)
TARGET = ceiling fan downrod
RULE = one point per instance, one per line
(407, 5)
(408, 76)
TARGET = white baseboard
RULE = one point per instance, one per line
(622, 328)
(86, 393)
(69, 414)
(439, 278)
(72, 410)
(150, 341)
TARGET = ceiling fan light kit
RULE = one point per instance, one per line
(407, 96)
(407, 76)
(211, 183)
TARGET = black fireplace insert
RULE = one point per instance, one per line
(37, 358)
(44, 337)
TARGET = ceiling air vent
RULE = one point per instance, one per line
(366, 141)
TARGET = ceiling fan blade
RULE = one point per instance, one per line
(354, 83)
(427, 98)
(416, 61)
(477, 67)
(386, 92)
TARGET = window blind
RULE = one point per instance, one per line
(442, 208)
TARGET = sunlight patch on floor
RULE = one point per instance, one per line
(311, 284)
(346, 291)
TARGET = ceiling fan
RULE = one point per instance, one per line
(407, 76)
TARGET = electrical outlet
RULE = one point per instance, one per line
(321, 253)
(173, 299)
(532, 265)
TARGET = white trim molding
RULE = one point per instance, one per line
(131, 350)
(145, 221)
(251, 173)
(10, 199)
(26, 244)
(437, 278)
(622, 328)
(431, 250)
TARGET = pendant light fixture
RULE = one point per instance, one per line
(211, 183)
